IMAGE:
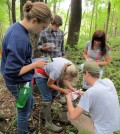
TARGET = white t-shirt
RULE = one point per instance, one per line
(101, 101)
(54, 69)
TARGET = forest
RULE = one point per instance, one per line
(81, 19)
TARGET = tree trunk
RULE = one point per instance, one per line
(1, 29)
(115, 26)
(112, 20)
(66, 18)
(34, 40)
(22, 2)
(9, 11)
(74, 22)
(13, 11)
(108, 15)
(92, 19)
(96, 17)
(54, 8)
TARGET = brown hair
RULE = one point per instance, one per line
(95, 75)
(99, 35)
(38, 10)
(57, 20)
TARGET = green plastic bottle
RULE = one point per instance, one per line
(23, 95)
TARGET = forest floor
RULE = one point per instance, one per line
(8, 114)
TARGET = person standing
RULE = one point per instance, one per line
(16, 67)
(51, 43)
(100, 100)
(98, 51)
(54, 37)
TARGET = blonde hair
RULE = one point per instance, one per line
(38, 10)
(70, 70)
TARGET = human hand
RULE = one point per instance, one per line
(73, 89)
(40, 63)
(67, 91)
(88, 59)
(76, 94)
(97, 61)
(80, 92)
(46, 48)
(69, 96)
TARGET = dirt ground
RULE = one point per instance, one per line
(7, 108)
(8, 114)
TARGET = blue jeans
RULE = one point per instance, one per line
(47, 94)
(23, 113)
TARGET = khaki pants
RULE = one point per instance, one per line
(83, 123)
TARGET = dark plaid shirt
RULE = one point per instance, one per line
(48, 36)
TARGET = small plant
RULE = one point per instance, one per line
(71, 130)
(83, 132)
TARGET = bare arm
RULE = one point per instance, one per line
(51, 85)
(105, 62)
(87, 58)
(74, 113)
(68, 85)
(45, 48)
(25, 69)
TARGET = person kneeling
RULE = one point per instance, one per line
(100, 100)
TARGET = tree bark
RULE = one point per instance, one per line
(108, 16)
(9, 11)
(74, 22)
(92, 19)
(112, 16)
(13, 11)
(115, 26)
(66, 18)
(54, 9)
(1, 35)
(22, 2)
(96, 16)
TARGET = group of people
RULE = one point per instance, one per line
(100, 99)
